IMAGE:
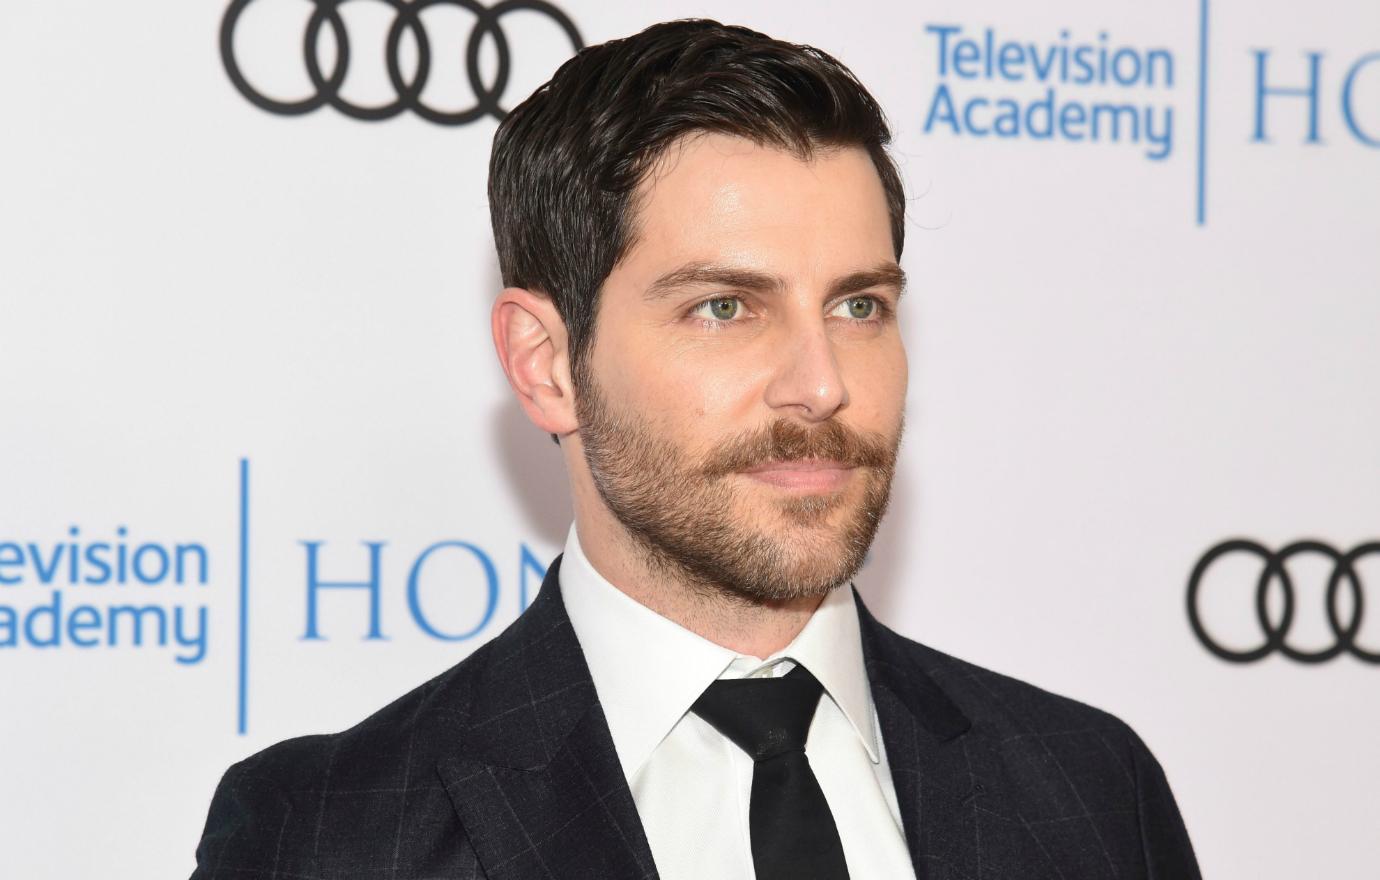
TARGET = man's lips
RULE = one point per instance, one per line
(806, 464)
(809, 475)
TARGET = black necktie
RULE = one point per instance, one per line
(792, 831)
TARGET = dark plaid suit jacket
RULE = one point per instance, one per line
(503, 768)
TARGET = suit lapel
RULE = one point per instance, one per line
(938, 784)
(536, 781)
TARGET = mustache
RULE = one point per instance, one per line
(784, 440)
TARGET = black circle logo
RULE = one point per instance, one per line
(406, 17)
(1274, 573)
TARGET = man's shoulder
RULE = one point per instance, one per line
(327, 793)
(329, 804)
(409, 729)
(1010, 714)
(1030, 759)
(1003, 704)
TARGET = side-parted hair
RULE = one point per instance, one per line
(567, 161)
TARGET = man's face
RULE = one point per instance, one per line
(742, 403)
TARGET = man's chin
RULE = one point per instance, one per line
(811, 577)
(820, 517)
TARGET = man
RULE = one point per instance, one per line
(699, 230)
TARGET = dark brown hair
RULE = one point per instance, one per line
(566, 162)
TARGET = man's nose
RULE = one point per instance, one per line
(808, 382)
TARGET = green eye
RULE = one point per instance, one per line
(724, 308)
(862, 307)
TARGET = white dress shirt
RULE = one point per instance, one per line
(690, 783)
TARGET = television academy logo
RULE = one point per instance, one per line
(488, 24)
(103, 593)
(1083, 84)
(1275, 573)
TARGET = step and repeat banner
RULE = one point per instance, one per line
(260, 472)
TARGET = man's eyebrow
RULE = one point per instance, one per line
(884, 274)
(712, 275)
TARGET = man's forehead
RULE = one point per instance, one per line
(702, 159)
(727, 200)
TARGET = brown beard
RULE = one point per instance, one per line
(684, 516)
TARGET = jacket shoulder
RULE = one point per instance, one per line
(377, 746)
(1060, 758)
(305, 803)
(1003, 706)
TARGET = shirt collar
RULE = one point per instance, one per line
(830, 646)
(649, 670)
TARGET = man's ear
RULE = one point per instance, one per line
(531, 342)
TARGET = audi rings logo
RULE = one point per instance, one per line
(1275, 576)
(407, 89)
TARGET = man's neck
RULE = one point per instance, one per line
(756, 629)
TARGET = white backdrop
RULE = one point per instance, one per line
(241, 351)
